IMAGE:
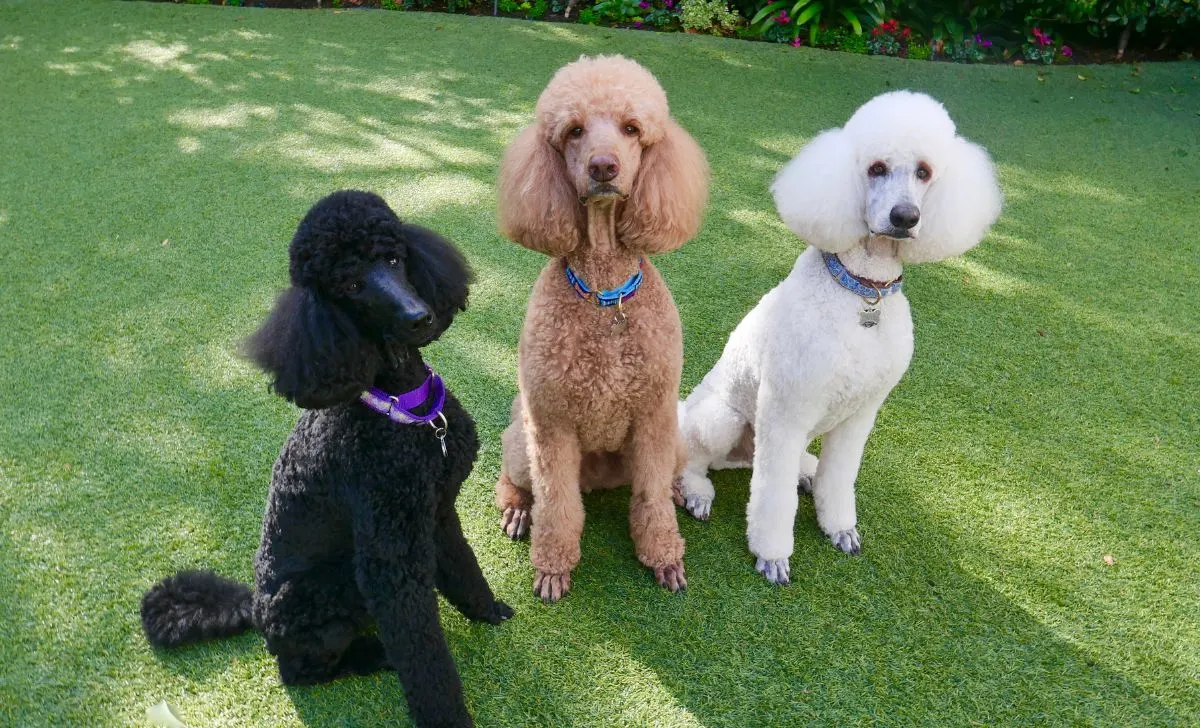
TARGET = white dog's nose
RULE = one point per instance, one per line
(904, 216)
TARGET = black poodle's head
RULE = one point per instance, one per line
(366, 288)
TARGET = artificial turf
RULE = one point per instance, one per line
(154, 160)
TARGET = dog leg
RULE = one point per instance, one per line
(833, 489)
(514, 496)
(808, 471)
(651, 511)
(557, 509)
(516, 507)
(458, 576)
(771, 513)
(711, 429)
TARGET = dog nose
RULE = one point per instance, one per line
(603, 168)
(419, 321)
(904, 216)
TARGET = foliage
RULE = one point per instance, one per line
(968, 50)
(809, 16)
(1041, 47)
(889, 39)
(587, 16)
(534, 9)
(845, 40)
(708, 16)
(920, 51)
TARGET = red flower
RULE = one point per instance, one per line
(907, 32)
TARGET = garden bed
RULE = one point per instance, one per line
(1163, 30)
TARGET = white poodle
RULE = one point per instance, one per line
(819, 354)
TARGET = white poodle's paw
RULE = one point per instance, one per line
(776, 571)
(848, 541)
(695, 493)
(805, 484)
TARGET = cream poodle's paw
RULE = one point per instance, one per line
(808, 473)
(551, 587)
(848, 541)
(672, 577)
(515, 522)
(777, 571)
(695, 493)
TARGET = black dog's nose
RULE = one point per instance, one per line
(904, 216)
(419, 321)
(603, 168)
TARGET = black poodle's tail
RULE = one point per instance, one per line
(193, 606)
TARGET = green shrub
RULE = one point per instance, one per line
(809, 16)
(920, 51)
(708, 16)
(587, 16)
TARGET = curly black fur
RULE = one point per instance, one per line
(360, 525)
(193, 606)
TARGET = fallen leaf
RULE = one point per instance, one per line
(966, 279)
(1135, 90)
(1082, 77)
(1018, 62)
(163, 715)
(1108, 559)
(1041, 333)
(166, 241)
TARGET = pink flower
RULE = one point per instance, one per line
(1042, 38)
(796, 42)
(982, 42)
(643, 4)
(637, 24)
(783, 17)
(1066, 51)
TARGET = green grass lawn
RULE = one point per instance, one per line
(155, 159)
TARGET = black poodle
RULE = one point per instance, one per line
(360, 524)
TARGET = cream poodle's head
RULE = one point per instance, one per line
(603, 134)
(898, 170)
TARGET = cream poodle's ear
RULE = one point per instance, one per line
(962, 203)
(536, 204)
(820, 195)
(666, 205)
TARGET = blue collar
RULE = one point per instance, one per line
(605, 299)
(863, 287)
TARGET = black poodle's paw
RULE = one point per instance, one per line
(498, 612)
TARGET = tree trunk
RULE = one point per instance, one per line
(1124, 41)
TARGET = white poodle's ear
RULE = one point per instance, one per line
(820, 194)
(961, 205)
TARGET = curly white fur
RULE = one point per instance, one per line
(800, 365)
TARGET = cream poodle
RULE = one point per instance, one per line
(819, 354)
(602, 179)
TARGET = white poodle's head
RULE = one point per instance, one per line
(898, 170)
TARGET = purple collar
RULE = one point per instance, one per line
(398, 407)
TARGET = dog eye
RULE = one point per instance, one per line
(576, 132)
(878, 169)
(924, 172)
(393, 262)
(631, 130)
(355, 287)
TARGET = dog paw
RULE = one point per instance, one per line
(848, 541)
(497, 613)
(551, 587)
(776, 571)
(672, 577)
(699, 506)
(805, 485)
(515, 522)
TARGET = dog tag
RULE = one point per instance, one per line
(620, 322)
(440, 432)
(869, 317)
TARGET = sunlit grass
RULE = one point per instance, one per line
(157, 159)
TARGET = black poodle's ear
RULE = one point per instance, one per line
(314, 351)
(438, 271)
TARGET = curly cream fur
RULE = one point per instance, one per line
(597, 408)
